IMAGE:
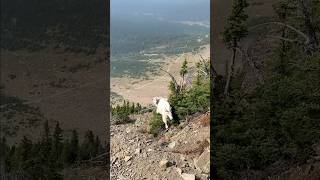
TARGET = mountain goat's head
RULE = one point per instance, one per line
(155, 100)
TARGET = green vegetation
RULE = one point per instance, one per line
(235, 30)
(156, 124)
(121, 113)
(185, 99)
(278, 121)
(188, 99)
(46, 158)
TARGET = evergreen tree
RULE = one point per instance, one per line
(138, 107)
(282, 10)
(57, 146)
(74, 146)
(46, 137)
(46, 142)
(4, 153)
(128, 108)
(25, 149)
(133, 110)
(11, 161)
(235, 30)
(66, 152)
(117, 109)
(198, 78)
(256, 130)
(3, 148)
(183, 71)
(97, 145)
(88, 146)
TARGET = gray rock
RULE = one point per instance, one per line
(121, 177)
(172, 145)
(128, 130)
(182, 158)
(203, 162)
(165, 163)
(129, 163)
(144, 155)
(127, 158)
(137, 151)
(114, 159)
(186, 176)
(185, 165)
(179, 171)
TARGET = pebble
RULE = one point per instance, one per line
(172, 145)
(127, 158)
(179, 171)
(186, 176)
(137, 151)
(164, 163)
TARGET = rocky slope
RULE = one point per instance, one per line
(182, 152)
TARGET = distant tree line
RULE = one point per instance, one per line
(121, 113)
(46, 158)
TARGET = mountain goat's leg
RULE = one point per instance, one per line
(170, 115)
(164, 119)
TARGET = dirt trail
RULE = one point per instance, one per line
(173, 155)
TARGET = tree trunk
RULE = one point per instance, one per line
(310, 27)
(230, 73)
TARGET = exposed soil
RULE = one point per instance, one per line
(67, 87)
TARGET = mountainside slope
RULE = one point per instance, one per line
(175, 154)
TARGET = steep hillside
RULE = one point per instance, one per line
(66, 87)
(171, 155)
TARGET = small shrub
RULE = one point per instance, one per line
(196, 99)
(156, 125)
(122, 119)
(121, 113)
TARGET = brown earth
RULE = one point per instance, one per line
(67, 87)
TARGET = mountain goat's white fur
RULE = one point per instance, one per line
(163, 108)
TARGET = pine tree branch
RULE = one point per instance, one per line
(284, 39)
(176, 85)
(307, 40)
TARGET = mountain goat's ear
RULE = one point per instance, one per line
(155, 101)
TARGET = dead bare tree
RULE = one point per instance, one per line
(306, 38)
(205, 68)
(177, 87)
(305, 6)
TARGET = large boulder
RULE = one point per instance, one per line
(202, 163)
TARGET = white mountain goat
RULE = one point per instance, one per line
(163, 108)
